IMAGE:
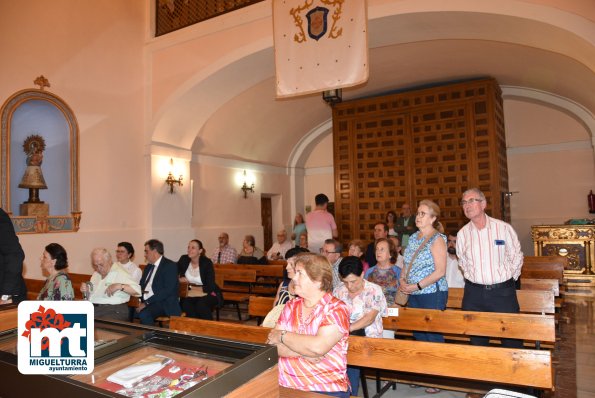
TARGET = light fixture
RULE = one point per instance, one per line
(170, 180)
(333, 96)
(245, 187)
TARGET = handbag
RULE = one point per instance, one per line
(402, 298)
(270, 321)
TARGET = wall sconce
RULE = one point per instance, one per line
(245, 186)
(332, 97)
(170, 180)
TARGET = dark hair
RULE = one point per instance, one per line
(384, 225)
(58, 253)
(321, 199)
(295, 251)
(201, 249)
(454, 233)
(250, 239)
(128, 246)
(394, 216)
(350, 265)
(155, 244)
(391, 249)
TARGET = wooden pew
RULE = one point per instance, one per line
(544, 267)
(530, 301)
(528, 327)
(9, 316)
(541, 284)
(268, 277)
(522, 367)
(259, 307)
(34, 286)
(230, 292)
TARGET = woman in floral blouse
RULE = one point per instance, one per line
(58, 286)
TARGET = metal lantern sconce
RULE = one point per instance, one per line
(245, 187)
(333, 96)
(170, 180)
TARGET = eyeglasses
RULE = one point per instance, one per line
(322, 251)
(470, 201)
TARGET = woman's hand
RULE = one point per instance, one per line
(183, 279)
(407, 288)
(274, 337)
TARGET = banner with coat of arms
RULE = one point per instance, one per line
(319, 45)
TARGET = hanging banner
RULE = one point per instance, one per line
(319, 45)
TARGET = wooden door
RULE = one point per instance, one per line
(266, 210)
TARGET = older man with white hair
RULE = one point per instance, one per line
(279, 248)
(110, 287)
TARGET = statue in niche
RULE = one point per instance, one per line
(33, 180)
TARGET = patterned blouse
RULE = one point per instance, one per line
(387, 279)
(371, 298)
(57, 288)
(330, 374)
(424, 263)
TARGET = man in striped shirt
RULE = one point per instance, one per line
(491, 259)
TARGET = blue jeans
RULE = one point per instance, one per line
(353, 376)
(338, 394)
(435, 301)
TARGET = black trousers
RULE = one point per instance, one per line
(199, 307)
(492, 298)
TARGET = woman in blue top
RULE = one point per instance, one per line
(299, 227)
(426, 282)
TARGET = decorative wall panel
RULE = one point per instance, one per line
(430, 143)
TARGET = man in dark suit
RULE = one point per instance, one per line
(12, 284)
(405, 225)
(159, 285)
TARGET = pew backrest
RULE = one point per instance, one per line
(541, 284)
(530, 301)
(528, 327)
(544, 267)
(259, 306)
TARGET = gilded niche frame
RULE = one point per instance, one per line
(40, 224)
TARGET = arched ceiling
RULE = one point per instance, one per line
(406, 50)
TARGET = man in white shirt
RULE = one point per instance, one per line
(110, 287)
(454, 275)
(279, 248)
(491, 259)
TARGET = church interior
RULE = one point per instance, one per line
(199, 104)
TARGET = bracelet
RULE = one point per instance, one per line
(282, 334)
(419, 286)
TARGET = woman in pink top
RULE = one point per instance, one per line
(312, 331)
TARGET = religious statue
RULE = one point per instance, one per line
(33, 147)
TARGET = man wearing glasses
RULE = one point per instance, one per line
(224, 254)
(491, 259)
(332, 251)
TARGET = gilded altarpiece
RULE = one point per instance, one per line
(576, 242)
(431, 143)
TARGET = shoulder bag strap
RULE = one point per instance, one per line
(424, 243)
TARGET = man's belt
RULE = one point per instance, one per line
(501, 285)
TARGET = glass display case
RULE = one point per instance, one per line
(138, 361)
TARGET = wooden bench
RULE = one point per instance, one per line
(530, 301)
(8, 317)
(230, 292)
(528, 327)
(34, 286)
(268, 277)
(520, 367)
(541, 284)
(259, 307)
(544, 267)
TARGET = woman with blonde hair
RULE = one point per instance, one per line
(425, 281)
